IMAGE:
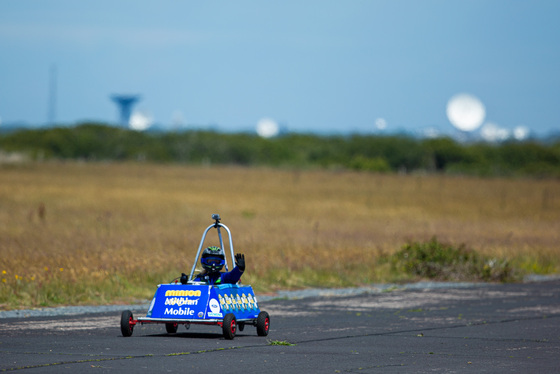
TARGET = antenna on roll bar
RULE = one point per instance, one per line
(216, 217)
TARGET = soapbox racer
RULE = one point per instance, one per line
(230, 306)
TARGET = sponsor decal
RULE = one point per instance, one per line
(196, 293)
(214, 306)
(179, 312)
(180, 301)
(238, 302)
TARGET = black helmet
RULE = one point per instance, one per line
(213, 259)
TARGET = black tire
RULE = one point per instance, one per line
(171, 327)
(241, 326)
(126, 326)
(229, 326)
(263, 324)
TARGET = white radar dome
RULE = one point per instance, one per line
(267, 128)
(466, 112)
(140, 121)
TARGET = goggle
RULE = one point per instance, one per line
(213, 261)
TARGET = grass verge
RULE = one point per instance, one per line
(97, 233)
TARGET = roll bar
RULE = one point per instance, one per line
(216, 225)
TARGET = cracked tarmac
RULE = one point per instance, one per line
(496, 328)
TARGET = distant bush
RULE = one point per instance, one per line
(376, 164)
(367, 153)
(438, 261)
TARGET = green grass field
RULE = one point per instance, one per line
(93, 233)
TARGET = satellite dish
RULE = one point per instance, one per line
(177, 119)
(521, 132)
(493, 133)
(140, 121)
(267, 128)
(466, 112)
(381, 124)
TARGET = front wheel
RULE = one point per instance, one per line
(171, 327)
(263, 324)
(126, 323)
(229, 326)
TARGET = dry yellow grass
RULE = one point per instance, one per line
(95, 233)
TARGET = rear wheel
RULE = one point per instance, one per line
(263, 324)
(229, 326)
(171, 327)
(126, 323)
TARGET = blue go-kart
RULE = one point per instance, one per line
(230, 306)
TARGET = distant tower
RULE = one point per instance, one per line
(51, 117)
(125, 103)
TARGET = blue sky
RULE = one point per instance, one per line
(333, 66)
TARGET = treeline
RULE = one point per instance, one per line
(358, 152)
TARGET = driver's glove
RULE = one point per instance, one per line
(240, 261)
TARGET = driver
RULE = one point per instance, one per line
(213, 260)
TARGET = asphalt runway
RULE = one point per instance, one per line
(490, 328)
